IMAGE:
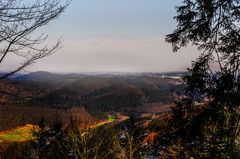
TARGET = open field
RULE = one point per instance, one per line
(18, 134)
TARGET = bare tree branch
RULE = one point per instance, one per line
(19, 19)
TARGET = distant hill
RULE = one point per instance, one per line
(46, 76)
(97, 92)
(34, 76)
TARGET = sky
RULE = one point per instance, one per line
(114, 36)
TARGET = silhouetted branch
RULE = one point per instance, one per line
(18, 20)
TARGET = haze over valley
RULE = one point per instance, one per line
(98, 94)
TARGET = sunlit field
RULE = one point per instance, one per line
(19, 134)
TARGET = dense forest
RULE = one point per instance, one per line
(102, 93)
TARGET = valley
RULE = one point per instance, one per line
(92, 101)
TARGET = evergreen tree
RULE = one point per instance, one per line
(214, 27)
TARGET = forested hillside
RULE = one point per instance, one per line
(96, 92)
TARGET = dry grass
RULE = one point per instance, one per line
(18, 134)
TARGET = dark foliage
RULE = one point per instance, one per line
(211, 120)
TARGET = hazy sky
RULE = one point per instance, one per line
(116, 36)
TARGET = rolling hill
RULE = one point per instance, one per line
(100, 92)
